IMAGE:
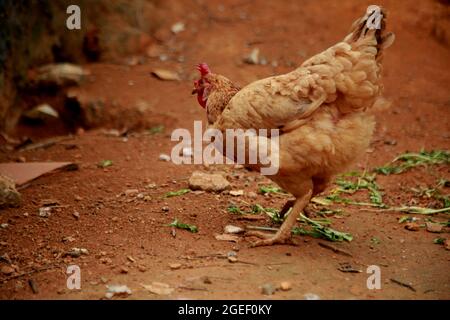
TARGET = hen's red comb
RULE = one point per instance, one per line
(203, 68)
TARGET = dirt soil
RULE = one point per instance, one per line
(127, 235)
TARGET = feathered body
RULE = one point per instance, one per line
(320, 108)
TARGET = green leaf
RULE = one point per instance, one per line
(105, 163)
(185, 226)
(271, 189)
(156, 129)
(439, 241)
(176, 193)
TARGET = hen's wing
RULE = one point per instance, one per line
(346, 74)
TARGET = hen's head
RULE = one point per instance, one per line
(202, 85)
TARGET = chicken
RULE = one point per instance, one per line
(322, 110)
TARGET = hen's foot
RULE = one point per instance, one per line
(271, 239)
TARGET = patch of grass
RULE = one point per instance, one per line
(105, 163)
(439, 241)
(319, 230)
(156, 129)
(410, 160)
(271, 189)
(180, 225)
(176, 193)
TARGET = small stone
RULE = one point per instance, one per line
(232, 259)
(208, 182)
(76, 215)
(131, 259)
(233, 229)
(9, 196)
(237, 193)
(7, 270)
(447, 244)
(45, 212)
(124, 270)
(165, 209)
(141, 268)
(253, 57)
(311, 296)
(177, 27)
(159, 288)
(434, 227)
(175, 266)
(4, 225)
(131, 192)
(252, 195)
(412, 226)
(268, 289)
(285, 286)
(164, 157)
(117, 290)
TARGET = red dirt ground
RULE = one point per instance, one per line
(116, 226)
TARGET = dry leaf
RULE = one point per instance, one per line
(166, 75)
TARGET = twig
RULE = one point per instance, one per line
(403, 284)
(31, 272)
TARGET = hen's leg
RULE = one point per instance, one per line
(283, 234)
(289, 204)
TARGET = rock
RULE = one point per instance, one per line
(4, 225)
(117, 290)
(131, 259)
(177, 27)
(131, 192)
(285, 286)
(227, 237)
(253, 57)
(41, 112)
(7, 270)
(159, 288)
(175, 266)
(45, 212)
(434, 227)
(268, 289)
(167, 75)
(142, 268)
(208, 182)
(76, 215)
(124, 270)
(252, 195)
(5, 258)
(233, 229)
(60, 74)
(165, 209)
(311, 296)
(9, 196)
(447, 244)
(412, 226)
(232, 259)
(237, 193)
(76, 252)
(164, 157)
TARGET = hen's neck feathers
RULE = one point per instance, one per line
(221, 92)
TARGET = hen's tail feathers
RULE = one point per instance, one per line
(371, 26)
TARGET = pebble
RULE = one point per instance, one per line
(208, 182)
(175, 266)
(7, 270)
(311, 296)
(412, 226)
(164, 157)
(285, 286)
(124, 270)
(434, 227)
(233, 229)
(268, 289)
(252, 195)
(165, 209)
(76, 215)
(237, 193)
